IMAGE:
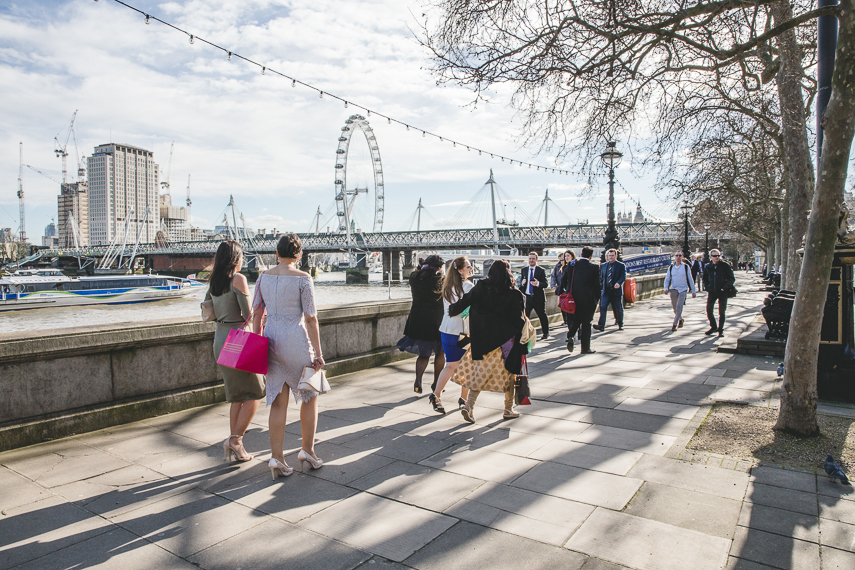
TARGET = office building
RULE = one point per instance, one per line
(50, 230)
(173, 220)
(73, 213)
(123, 194)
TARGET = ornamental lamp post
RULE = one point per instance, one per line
(707, 244)
(611, 158)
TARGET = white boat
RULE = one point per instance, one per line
(34, 289)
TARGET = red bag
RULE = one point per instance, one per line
(244, 350)
(566, 302)
(522, 392)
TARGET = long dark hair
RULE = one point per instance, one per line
(225, 263)
(499, 277)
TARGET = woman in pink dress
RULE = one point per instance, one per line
(287, 295)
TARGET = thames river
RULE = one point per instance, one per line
(330, 290)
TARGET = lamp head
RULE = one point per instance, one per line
(612, 156)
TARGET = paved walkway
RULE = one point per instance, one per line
(591, 476)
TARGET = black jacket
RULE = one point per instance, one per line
(426, 310)
(718, 277)
(586, 286)
(494, 316)
(542, 283)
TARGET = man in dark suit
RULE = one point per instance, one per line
(533, 283)
(612, 276)
(718, 280)
(585, 279)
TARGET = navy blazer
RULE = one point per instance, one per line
(538, 290)
(618, 276)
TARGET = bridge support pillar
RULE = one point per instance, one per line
(408, 264)
(387, 264)
(396, 265)
(358, 274)
(304, 261)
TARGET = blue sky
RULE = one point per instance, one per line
(254, 136)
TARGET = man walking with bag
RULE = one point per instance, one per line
(612, 276)
(582, 280)
(719, 283)
(533, 284)
(678, 282)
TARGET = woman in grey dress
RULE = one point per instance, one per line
(229, 291)
(287, 295)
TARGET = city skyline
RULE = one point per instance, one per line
(239, 132)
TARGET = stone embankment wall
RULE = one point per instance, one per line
(72, 381)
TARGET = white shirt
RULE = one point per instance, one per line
(454, 325)
(675, 278)
(530, 290)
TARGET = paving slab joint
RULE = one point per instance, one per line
(679, 446)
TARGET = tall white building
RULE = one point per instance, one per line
(123, 191)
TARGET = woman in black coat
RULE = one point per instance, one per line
(421, 333)
(496, 309)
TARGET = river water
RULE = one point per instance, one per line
(330, 290)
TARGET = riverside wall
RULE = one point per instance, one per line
(70, 381)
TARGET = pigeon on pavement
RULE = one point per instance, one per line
(834, 470)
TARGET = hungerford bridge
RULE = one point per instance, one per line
(195, 256)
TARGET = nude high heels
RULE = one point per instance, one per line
(228, 450)
(305, 457)
(277, 467)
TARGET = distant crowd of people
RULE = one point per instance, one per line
(477, 333)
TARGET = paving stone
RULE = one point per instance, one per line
(53, 465)
(836, 509)
(531, 528)
(424, 487)
(116, 548)
(342, 464)
(594, 457)
(739, 396)
(599, 564)
(582, 485)
(155, 448)
(395, 445)
(702, 512)
(652, 443)
(788, 478)
(274, 543)
(610, 379)
(635, 421)
(467, 546)
(833, 559)
(473, 511)
(547, 427)
(16, 490)
(693, 477)
(734, 563)
(380, 563)
(290, 498)
(507, 441)
(677, 371)
(831, 489)
(558, 410)
(480, 464)
(837, 534)
(678, 411)
(41, 527)
(188, 523)
(647, 545)
(594, 395)
(778, 521)
(781, 498)
(536, 506)
(396, 530)
(774, 549)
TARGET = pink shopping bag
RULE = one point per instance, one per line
(244, 350)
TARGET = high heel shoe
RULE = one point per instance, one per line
(277, 467)
(417, 386)
(436, 403)
(305, 457)
(228, 450)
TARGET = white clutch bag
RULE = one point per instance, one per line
(314, 380)
(208, 311)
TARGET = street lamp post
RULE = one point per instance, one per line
(686, 251)
(707, 244)
(611, 158)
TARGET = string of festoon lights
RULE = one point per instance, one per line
(647, 215)
(265, 70)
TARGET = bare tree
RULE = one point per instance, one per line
(587, 71)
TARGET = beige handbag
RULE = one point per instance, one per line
(314, 381)
(208, 311)
(529, 334)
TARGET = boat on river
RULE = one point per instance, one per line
(34, 289)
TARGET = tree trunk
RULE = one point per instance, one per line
(798, 393)
(785, 232)
(795, 142)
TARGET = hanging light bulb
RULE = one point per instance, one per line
(454, 145)
(389, 120)
(345, 104)
(423, 134)
(479, 153)
(293, 83)
(369, 112)
(440, 139)
(468, 149)
(408, 127)
(503, 159)
(321, 96)
(191, 38)
(147, 19)
(263, 69)
(230, 56)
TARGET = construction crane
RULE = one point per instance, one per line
(23, 234)
(60, 149)
(48, 176)
(165, 184)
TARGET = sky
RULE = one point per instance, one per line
(270, 145)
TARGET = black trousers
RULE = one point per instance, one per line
(582, 325)
(722, 309)
(540, 309)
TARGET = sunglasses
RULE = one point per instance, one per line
(714, 255)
